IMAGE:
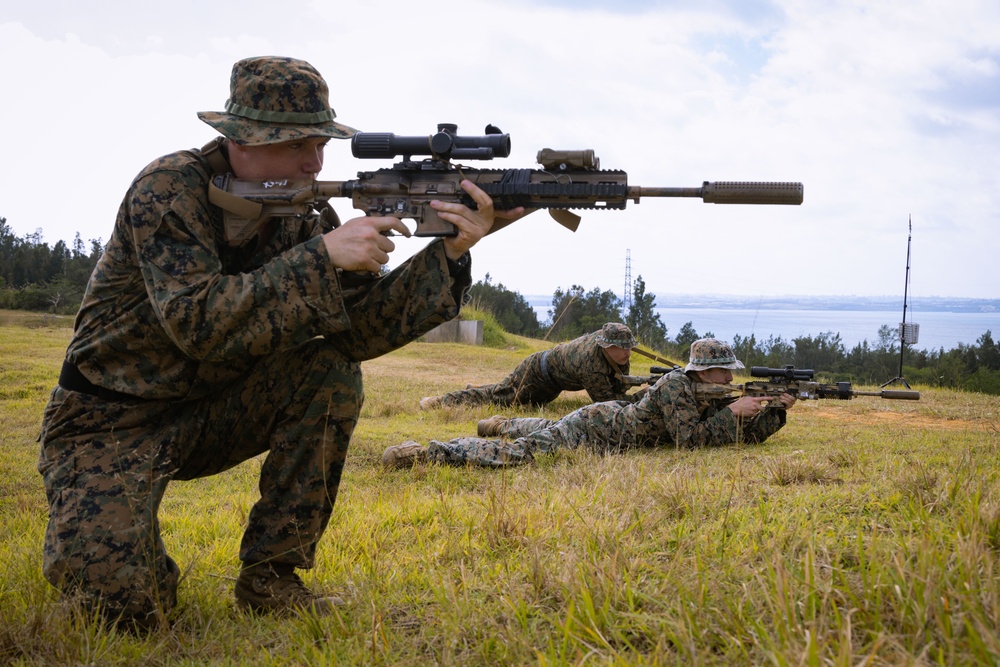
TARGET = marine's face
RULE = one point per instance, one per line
(619, 355)
(716, 375)
(301, 159)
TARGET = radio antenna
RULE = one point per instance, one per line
(909, 333)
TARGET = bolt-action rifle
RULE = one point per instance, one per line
(566, 180)
(788, 380)
(795, 381)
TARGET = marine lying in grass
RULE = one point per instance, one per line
(671, 413)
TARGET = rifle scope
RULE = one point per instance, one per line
(789, 372)
(445, 144)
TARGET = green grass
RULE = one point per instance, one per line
(865, 532)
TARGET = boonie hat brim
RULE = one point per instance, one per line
(248, 132)
(733, 366)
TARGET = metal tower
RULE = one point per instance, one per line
(627, 298)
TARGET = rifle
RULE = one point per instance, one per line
(567, 180)
(655, 373)
(794, 381)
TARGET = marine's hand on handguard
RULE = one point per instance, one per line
(787, 401)
(470, 225)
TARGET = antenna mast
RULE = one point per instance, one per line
(908, 333)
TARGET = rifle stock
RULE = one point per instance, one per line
(567, 180)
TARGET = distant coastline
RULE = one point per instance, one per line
(915, 304)
(943, 322)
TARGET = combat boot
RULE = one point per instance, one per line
(404, 455)
(274, 587)
(492, 427)
(430, 402)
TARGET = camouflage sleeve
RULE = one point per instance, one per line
(403, 305)
(763, 426)
(636, 396)
(602, 387)
(683, 418)
(601, 379)
(213, 316)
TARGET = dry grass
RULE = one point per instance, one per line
(866, 532)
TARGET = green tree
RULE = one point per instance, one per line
(989, 353)
(824, 352)
(774, 352)
(685, 337)
(511, 310)
(575, 312)
(8, 251)
(643, 319)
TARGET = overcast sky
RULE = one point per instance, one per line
(886, 111)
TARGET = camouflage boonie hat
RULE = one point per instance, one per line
(274, 99)
(616, 334)
(712, 353)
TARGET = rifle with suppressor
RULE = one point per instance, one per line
(567, 180)
(788, 380)
(795, 381)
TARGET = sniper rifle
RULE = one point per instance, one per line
(788, 380)
(795, 381)
(567, 180)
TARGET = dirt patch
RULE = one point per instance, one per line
(904, 420)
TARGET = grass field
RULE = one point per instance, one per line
(866, 532)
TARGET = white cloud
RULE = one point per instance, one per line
(884, 110)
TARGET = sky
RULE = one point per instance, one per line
(888, 113)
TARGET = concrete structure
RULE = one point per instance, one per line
(469, 332)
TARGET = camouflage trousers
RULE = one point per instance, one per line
(106, 465)
(595, 427)
(526, 385)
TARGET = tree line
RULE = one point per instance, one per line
(36, 277)
(575, 311)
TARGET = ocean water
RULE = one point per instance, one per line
(937, 329)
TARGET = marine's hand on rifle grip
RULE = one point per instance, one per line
(749, 406)
(361, 244)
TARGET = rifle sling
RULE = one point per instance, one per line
(654, 357)
(216, 157)
(244, 208)
(217, 162)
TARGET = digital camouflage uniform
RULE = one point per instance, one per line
(668, 414)
(580, 364)
(188, 357)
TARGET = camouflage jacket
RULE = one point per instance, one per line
(581, 364)
(671, 413)
(171, 311)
